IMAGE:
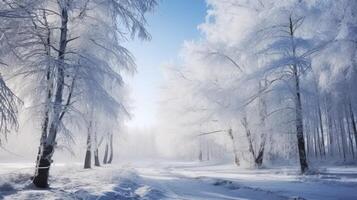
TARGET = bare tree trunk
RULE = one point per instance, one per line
(111, 149)
(343, 137)
(88, 158)
(330, 132)
(207, 151)
(308, 144)
(316, 132)
(96, 151)
(42, 172)
(259, 159)
(200, 156)
(235, 151)
(96, 158)
(320, 128)
(352, 119)
(249, 137)
(337, 137)
(263, 116)
(322, 145)
(45, 121)
(299, 128)
(105, 158)
(349, 132)
(298, 108)
(49, 85)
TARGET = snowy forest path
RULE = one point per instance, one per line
(184, 184)
(178, 181)
(192, 181)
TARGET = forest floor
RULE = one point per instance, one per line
(177, 180)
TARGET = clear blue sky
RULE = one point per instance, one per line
(173, 22)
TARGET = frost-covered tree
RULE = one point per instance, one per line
(282, 78)
(8, 110)
(69, 52)
(12, 20)
(94, 65)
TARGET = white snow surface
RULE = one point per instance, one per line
(178, 180)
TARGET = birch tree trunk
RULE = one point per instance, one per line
(330, 132)
(322, 145)
(88, 157)
(249, 137)
(348, 125)
(317, 151)
(298, 107)
(42, 172)
(110, 149)
(352, 119)
(105, 158)
(49, 88)
(200, 156)
(343, 137)
(299, 125)
(235, 151)
(96, 151)
(207, 151)
(263, 116)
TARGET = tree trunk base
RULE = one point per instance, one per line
(87, 160)
(40, 179)
(236, 161)
(96, 158)
(105, 159)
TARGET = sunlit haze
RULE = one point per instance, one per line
(174, 22)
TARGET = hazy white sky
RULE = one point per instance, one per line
(173, 22)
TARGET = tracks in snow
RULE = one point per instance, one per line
(175, 185)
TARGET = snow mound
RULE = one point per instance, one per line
(71, 182)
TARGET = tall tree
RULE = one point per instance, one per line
(73, 51)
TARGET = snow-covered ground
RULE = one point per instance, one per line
(177, 180)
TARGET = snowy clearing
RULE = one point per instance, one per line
(201, 100)
(178, 181)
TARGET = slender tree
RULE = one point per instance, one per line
(111, 151)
